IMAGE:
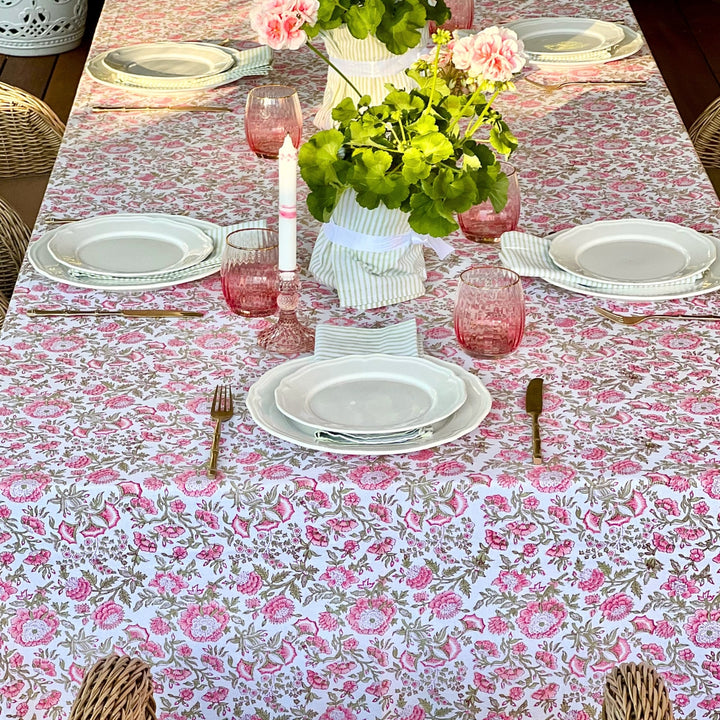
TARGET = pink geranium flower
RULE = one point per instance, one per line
(495, 54)
(280, 23)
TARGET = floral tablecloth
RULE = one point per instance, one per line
(460, 581)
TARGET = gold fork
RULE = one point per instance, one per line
(557, 86)
(221, 410)
(635, 319)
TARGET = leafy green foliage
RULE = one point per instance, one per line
(396, 23)
(415, 151)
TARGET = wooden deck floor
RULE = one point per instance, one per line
(682, 35)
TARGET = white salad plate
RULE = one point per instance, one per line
(253, 61)
(135, 246)
(264, 411)
(163, 61)
(708, 282)
(43, 261)
(564, 36)
(630, 44)
(633, 251)
(370, 394)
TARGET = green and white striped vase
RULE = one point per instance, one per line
(368, 64)
(373, 258)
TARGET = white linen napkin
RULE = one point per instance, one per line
(528, 256)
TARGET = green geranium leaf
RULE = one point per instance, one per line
(321, 201)
(401, 26)
(434, 146)
(344, 111)
(424, 124)
(498, 192)
(374, 183)
(363, 20)
(502, 139)
(428, 217)
(415, 166)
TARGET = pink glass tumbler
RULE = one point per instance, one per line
(489, 311)
(249, 272)
(271, 113)
(482, 224)
(462, 14)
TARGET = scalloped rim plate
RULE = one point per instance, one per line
(370, 394)
(261, 404)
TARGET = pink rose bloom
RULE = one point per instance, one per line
(249, 583)
(543, 619)
(279, 609)
(205, 623)
(446, 605)
(418, 577)
(704, 628)
(495, 54)
(109, 615)
(77, 588)
(616, 607)
(34, 627)
(371, 616)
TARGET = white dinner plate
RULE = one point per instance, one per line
(42, 260)
(261, 404)
(562, 36)
(134, 246)
(632, 251)
(253, 61)
(370, 394)
(168, 61)
(707, 283)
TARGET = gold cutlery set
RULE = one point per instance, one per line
(557, 86)
(137, 313)
(160, 108)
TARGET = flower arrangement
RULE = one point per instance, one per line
(398, 24)
(416, 151)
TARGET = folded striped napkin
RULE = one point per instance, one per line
(528, 256)
(334, 341)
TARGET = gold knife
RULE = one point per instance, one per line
(533, 406)
(39, 312)
(160, 108)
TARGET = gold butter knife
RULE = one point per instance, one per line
(160, 108)
(39, 312)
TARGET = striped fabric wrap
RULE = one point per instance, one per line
(369, 278)
(368, 64)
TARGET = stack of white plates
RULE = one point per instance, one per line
(368, 404)
(172, 67)
(574, 42)
(128, 252)
(641, 257)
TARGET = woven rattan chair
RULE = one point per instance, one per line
(705, 134)
(14, 236)
(3, 308)
(635, 692)
(30, 133)
(115, 688)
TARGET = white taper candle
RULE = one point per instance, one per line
(287, 225)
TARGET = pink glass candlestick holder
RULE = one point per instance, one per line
(288, 336)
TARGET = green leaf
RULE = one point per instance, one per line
(401, 25)
(363, 20)
(414, 165)
(344, 111)
(434, 146)
(428, 217)
(321, 201)
(372, 181)
(502, 139)
(319, 156)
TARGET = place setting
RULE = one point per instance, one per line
(177, 67)
(132, 252)
(628, 259)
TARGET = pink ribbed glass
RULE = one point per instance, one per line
(249, 272)
(489, 311)
(482, 224)
(271, 113)
(462, 14)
